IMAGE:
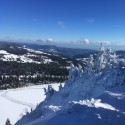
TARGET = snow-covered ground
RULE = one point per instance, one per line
(93, 96)
(3, 52)
(107, 109)
(5, 56)
(16, 102)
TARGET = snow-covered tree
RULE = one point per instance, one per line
(71, 73)
(111, 58)
(108, 58)
(89, 66)
(100, 60)
(60, 86)
(80, 71)
(108, 54)
(75, 73)
(49, 91)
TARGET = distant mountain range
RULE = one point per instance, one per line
(94, 95)
(53, 49)
(69, 52)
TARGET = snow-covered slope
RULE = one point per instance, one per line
(29, 57)
(107, 109)
(93, 96)
(14, 103)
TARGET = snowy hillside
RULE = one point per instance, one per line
(95, 95)
(21, 66)
(25, 58)
(14, 103)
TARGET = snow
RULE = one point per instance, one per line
(13, 57)
(24, 58)
(14, 103)
(95, 95)
(106, 110)
(47, 60)
(99, 116)
(3, 52)
(116, 95)
(95, 103)
(34, 51)
(88, 97)
(10, 110)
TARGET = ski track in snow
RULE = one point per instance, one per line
(4, 95)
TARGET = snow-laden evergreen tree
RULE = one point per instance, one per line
(80, 71)
(60, 86)
(100, 61)
(75, 73)
(111, 58)
(49, 91)
(89, 66)
(108, 57)
(71, 73)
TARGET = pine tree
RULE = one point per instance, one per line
(108, 58)
(8, 122)
(71, 73)
(60, 86)
(80, 71)
(100, 60)
(111, 58)
(75, 73)
(89, 66)
(49, 91)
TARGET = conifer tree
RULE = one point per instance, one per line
(60, 86)
(89, 66)
(49, 91)
(71, 73)
(8, 122)
(100, 60)
(80, 71)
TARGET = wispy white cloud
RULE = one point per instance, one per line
(86, 41)
(48, 41)
(83, 41)
(61, 24)
(104, 42)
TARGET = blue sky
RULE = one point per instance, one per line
(64, 20)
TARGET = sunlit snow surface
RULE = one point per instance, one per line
(95, 96)
(24, 58)
(107, 108)
(3, 52)
(16, 102)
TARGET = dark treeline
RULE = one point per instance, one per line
(14, 74)
(17, 73)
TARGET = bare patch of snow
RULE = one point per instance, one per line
(3, 52)
(95, 103)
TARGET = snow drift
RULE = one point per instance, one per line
(95, 95)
